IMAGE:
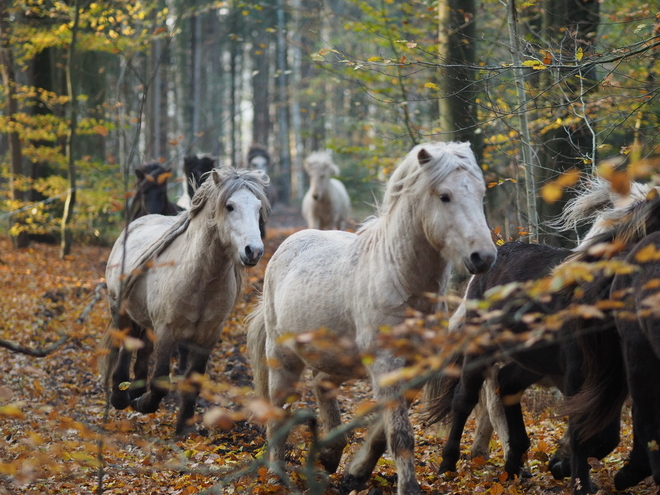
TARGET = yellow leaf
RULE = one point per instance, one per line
(124, 386)
(100, 130)
(647, 254)
(568, 178)
(551, 192)
(431, 85)
(531, 63)
(374, 59)
(11, 411)
(579, 54)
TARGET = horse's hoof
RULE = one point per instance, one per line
(142, 406)
(120, 400)
(329, 461)
(447, 467)
(350, 483)
(629, 476)
(560, 469)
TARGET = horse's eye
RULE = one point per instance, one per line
(445, 198)
(230, 208)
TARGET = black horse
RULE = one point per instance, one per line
(151, 192)
(555, 353)
(635, 295)
(195, 168)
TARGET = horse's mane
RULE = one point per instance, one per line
(257, 150)
(596, 201)
(627, 225)
(319, 160)
(411, 179)
(219, 187)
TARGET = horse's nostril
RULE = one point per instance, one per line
(482, 261)
(315, 196)
(248, 251)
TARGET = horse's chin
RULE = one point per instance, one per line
(249, 263)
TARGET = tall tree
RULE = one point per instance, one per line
(70, 202)
(458, 85)
(11, 109)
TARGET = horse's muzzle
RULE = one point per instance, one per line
(252, 255)
(480, 261)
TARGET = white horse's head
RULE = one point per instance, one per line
(321, 169)
(240, 212)
(445, 190)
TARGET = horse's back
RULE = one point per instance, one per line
(517, 262)
(304, 276)
(143, 233)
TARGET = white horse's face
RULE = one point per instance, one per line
(259, 163)
(242, 213)
(457, 224)
(319, 180)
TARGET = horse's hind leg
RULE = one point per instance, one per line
(197, 359)
(325, 391)
(465, 399)
(141, 366)
(159, 386)
(121, 396)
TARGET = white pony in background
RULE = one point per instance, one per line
(328, 294)
(326, 204)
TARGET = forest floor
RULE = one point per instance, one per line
(56, 432)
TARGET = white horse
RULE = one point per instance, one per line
(180, 276)
(352, 285)
(596, 203)
(326, 204)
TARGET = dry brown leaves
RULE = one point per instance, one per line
(55, 435)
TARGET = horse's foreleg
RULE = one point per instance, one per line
(397, 427)
(120, 397)
(190, 390)
(325, 391)
(513, 381)
(159, 386)
(281, 380)
(490, 417)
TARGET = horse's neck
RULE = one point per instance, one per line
(416, 267)
(204, 246)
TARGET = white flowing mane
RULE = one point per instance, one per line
(409, 179)
(216, 190)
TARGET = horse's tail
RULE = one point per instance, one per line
(598, 402)
(256, 346)
(439, 393)
(109, 353)
(439, 390)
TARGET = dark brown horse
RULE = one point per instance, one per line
(151, 192)
(638, 326)
(558, 354)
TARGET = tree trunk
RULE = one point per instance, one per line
(458, 89)
(528, 162)
(11, 108)
(282, 105)
(261, 60)
(571, 27)
(71, 139)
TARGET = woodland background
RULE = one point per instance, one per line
(548, 92)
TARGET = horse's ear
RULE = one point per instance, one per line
(334, 169)
(216, 176)
(423, 156)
